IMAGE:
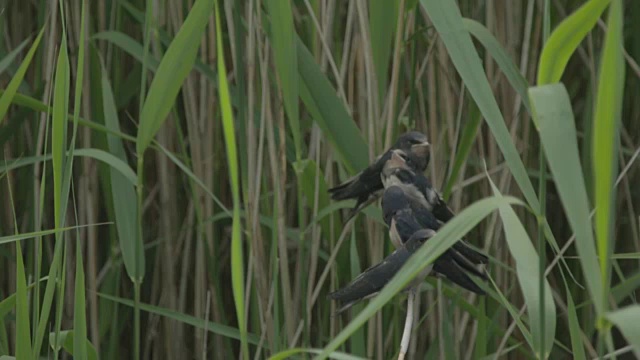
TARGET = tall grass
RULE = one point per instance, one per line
(166, 167)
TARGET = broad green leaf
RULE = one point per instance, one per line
(66, 341)
(174, 67)
(77, 99)
(626, 256)
(554, 120)
(7, 304)
(292, 234)
(546, 21)
(502, 353)
(383, 19)
(166, 38)
(446, 18)
(37, 105)
(564, 40)
(8, 59)
(528, 272)
(574, 328)
(283, 40)
(97, 154)
(80, 350)
(61, 185)
(79, 305)
(123, 192)
(287, 354)
(328, 111)
(237, 257)
(502, 300)
(4, 341)
(481, 345)
(622, 290)
(128, 45)
(136, 50)
(23, 236)
(118, 164)
(309, 174)
(357, 342)
(429, 252)
(331, 208)
(468, 137)
(59, 129)
(502, 58)
(606, 132)
(12, 87)
(199, 323)
(239, 92)
(628, 320)
(193, 177)
(148, 25)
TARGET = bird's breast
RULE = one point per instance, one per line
(432, 196)
(413, 192)
(396, 239)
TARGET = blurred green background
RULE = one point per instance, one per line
(165, 166)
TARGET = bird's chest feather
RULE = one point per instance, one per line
(396, 239)
(432, 196)
(414, 193)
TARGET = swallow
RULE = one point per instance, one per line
(425, 202)
(366, 186)
(397, 170)
(372, 280)
(455, 264)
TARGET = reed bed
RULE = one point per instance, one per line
(165, 169)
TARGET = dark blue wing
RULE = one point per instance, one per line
(372, 280)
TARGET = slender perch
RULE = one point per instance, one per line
(408, 324)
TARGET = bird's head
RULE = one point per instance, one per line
(399, 161)
(416, 145)
(418, 238)
(393, 201)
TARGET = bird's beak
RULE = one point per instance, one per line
(396, 160)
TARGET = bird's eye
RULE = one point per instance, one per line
(407, 160)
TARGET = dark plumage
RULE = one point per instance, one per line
(372, 280)
(403, 221)
(414, 211)
(366, 186)
(426, 203)
(399, 171)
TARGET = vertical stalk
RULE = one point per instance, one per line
(542, 191)
(136, 319)
(136, 281)
(542, 195)
(304, 254)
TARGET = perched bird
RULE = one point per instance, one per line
(367, 186)
(399, 171)
(372, 280)
(426, 203)
(403, 222)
